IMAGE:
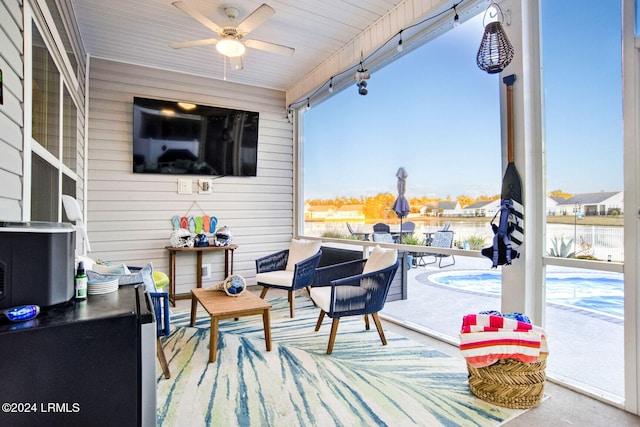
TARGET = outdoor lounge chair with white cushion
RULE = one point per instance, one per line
(290, 269)
(355, 288)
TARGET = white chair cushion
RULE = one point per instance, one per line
(321, 295)
(277, 277)
(301, 250)
(380, 259)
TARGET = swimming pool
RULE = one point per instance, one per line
(601, 292)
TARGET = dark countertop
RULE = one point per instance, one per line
(114, 304)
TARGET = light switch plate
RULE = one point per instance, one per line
(184, 186)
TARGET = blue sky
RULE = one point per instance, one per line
(435, 113)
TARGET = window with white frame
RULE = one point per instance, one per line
(54, 122)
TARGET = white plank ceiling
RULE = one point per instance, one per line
(140, 32)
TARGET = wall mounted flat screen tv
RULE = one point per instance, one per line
(180, 138)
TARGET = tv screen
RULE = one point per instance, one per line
(182, 138)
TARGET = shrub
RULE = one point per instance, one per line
(411, 239)
(476, 242)
(561, 249)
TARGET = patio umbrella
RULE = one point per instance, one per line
(401, 205)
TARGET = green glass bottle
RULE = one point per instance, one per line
(81, 283)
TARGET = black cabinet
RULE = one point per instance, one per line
(80, 364)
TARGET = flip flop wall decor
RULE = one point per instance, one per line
(175, 221)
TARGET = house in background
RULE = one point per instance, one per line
(590, 204)
(353, 213)
(429, 209)
(319, 213)
(484, 208)
(449, 208)
(442, 208)
(552, 205)
(489, 208)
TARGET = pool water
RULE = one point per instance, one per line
(600, 292)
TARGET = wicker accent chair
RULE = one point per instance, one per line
(354, 288)
(291, 269)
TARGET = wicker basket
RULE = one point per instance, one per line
(509, 383)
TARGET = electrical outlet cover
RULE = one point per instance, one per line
(204, 185)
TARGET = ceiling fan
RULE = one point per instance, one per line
(232, 43)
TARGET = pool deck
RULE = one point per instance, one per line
(586, 351)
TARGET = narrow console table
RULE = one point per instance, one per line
(228, 266)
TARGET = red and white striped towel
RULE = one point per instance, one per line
(492, 323)
(482, 349)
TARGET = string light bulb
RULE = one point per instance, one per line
(331, 85)
(456, 18)
(400, 47)
(308, 105)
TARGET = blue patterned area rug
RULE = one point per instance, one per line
(297, 384)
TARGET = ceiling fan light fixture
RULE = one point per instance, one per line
(186, 105)
(230, 48)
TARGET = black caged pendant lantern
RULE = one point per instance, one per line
(495, 52)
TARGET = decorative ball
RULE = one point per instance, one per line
(234, 285)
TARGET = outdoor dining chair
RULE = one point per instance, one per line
(357, 235)
(381, 227)
(354, 288)
(381, 237)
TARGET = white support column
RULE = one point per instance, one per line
(631, 132)
(534, 163)
(523, 281)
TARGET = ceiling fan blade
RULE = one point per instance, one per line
(256, 18)
(236, 62)
(180, 45)
(270, 47)
(197, 16)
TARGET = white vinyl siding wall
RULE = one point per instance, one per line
(129, 215)
(11, 116)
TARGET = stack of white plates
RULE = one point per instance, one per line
(99, 287)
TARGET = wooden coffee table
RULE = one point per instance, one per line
(219, 305)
